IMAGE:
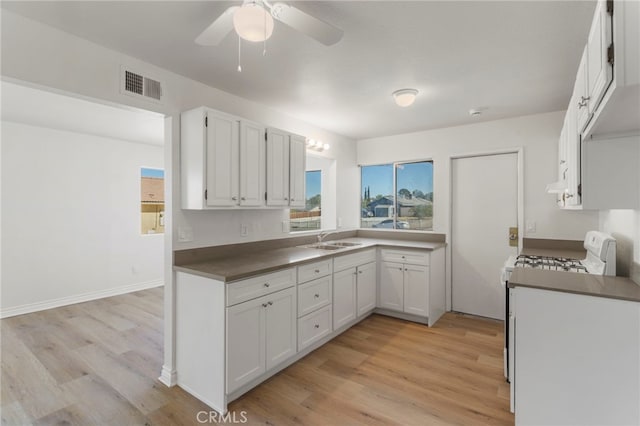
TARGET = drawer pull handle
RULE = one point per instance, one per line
(316, 295)
(264, 305)
(266, 284)
(400, 269)
(359, 272)
(316, 326)
(270, 303)
(317, 271)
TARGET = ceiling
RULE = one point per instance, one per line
(35, 107)
(510, 58)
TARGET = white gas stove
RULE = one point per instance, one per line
(600, 260)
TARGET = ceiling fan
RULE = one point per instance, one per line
(253, 21)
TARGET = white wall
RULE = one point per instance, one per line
(537, 134)
(71, 218)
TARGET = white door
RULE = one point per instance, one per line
(252, 164)
(344, 297)
(484, 207)
(366, 288)
(416, 290)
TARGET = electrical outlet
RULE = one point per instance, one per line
(185, 234)
(339, 222)
(244, 230)
(285, 226)
(531, 227)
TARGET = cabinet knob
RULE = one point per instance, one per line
(585, 99)
(317, 271)
(264, 305)
(234, 198)
(243, 198)
(292, 199)
(270, 303)
(316, 295)
(359, 272)
(286, 199)
(266, 284)
(316, 326)
(405, 269)
(400, 269)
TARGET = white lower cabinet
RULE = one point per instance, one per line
(405, 288)
(366, 288)
(261, 333)
(354, 286)
(412, 282)
(314, 327)
(344, 297)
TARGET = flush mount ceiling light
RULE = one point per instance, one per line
(405, 97)
(253, 22)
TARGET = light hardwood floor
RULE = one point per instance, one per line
(97, 363)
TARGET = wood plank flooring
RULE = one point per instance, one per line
(97, 363)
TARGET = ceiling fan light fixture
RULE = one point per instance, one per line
(253, 22)
(405, 97)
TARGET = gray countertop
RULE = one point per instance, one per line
(570, 282)
(243, 265)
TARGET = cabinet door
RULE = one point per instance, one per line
(391, 286)
(344, 297)
(366, 288)
(222, 160)
(297, 171)
(277, 168)
(280, 326)
(599, 71)
(252, 164)
(581, 92)
(245, 343)
(572, 198)
(416, 290)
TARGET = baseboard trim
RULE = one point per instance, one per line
(168, 376)
(71, 300)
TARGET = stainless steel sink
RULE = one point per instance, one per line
(333, 245)
(344, 244)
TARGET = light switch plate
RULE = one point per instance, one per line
(244, 230)
(531, 227)
(185, 234)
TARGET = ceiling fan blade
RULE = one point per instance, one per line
(313, 27)
(218, 29)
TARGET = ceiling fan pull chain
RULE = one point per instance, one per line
(264, 49)
(239, 54)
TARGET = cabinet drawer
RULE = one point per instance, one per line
(314, 270)
(313, 295)
(352, 260)
(260, 285)
(405, 256)
(314, 327)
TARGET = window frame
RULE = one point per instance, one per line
(394, 165)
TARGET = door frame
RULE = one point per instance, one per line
(520, 208)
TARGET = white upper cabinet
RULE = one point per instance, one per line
(230, 162)
(581, 93)
(277, 168)
(222, 167)
(286, 167)
(297, 171)
(599, 70)
(252, 164)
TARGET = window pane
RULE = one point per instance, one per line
(152, 201)
(309, 218)
(414, 201)
(377, 204)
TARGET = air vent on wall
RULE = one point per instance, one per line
(136, 84)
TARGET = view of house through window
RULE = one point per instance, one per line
(397, 196)
(152, 201)
(309, 218)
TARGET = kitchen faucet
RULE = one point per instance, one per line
(324, 234)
